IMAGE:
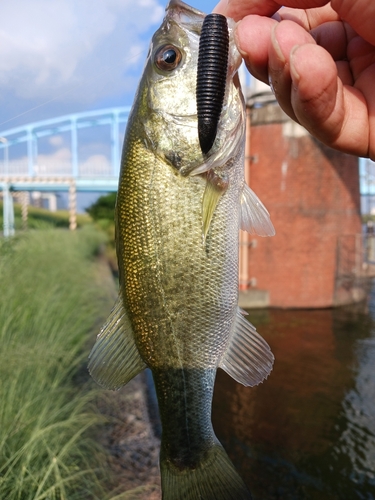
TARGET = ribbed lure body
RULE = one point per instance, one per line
(211, 77)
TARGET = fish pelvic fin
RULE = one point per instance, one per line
(114, 359)
(216, 186)
(255, 218)
(214, 478)
(248, 358)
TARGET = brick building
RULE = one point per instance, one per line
(312, 193)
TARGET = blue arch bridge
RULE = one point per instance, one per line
(29, 174)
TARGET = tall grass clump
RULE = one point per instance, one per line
(43, 218)
(51, 303)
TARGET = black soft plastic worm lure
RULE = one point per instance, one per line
(211, 77)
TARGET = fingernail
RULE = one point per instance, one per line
(221, 7)
(238, 37)
(293, 70)
(276, 46)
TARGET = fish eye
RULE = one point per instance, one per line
(168, 58)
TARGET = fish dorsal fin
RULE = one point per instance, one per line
(248, 358)
(255, 218)
(114, 359)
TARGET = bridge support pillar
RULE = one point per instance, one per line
(8, 212)
(72, 206)
(25, 201)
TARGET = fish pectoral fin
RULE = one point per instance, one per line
(255, 218)
(114, 359)
(248, 358)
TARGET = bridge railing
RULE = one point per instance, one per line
(61, 169)
(31, 133)
(28, 173)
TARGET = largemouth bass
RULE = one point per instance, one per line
(178, 214)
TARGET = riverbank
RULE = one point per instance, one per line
(54, 442)
(128, 438)
(132, 448)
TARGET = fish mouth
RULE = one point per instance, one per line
(208, 142)
(185, 15)
(217, 157)
(179, 5)
(230, 134)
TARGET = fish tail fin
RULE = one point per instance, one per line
(214, 478)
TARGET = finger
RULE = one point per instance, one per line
(238, 9)
(221, 7)
(334, 113)
(253, 32)
(284, 36)
(361, 55)
(332, 36)
(365, 85)
(309, 18)
(252, 37)
(360, 14)
(344, 72)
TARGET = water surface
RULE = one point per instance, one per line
(308, 432)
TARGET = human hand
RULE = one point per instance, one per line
(319, 58)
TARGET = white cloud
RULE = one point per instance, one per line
(56, 140)
(72, 50)
(60, 163)
(95, 165)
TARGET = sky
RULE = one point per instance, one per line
(64, 56)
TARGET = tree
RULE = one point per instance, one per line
(103, 208)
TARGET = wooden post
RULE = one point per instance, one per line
(25, 199)
(72, 206)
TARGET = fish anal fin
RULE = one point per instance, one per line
(114, 359)
(248, 358)
(255, 218)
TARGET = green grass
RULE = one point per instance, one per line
(50, 306)
(102, 211)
